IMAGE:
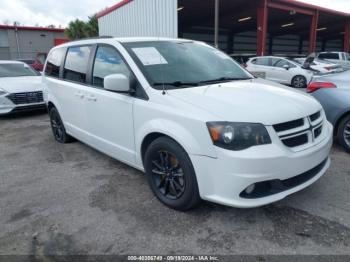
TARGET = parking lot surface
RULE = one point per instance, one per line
(70, 199)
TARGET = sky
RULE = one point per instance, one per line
(61, 12)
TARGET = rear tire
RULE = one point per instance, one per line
(343, 133)
(171, 175)
(299, 81)
(58, 130)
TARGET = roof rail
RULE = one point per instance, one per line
(92, 38)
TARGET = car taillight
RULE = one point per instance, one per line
(312, 87)
(329, 68)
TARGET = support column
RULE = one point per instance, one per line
(216, 25)
(270, 44)
(261, 27)
(313, 33)
(300, 47)
(323, 46)
(230, 40)
(347, 37)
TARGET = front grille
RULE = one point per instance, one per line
(271, 187)
(26, 98)
(296, 140)
(318, 131)
(300, 132)
(315, 116)
(289, 125)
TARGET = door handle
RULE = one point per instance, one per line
(92, 98)
(80, 95)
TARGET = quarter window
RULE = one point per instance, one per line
(54, 62)
(107, 62)
(76, 64)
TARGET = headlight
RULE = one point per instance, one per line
(238, 136)
(2, 92)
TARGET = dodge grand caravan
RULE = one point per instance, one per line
(198, 125)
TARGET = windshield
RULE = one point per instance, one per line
(14, 70)
(184, 64)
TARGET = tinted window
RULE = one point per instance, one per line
(15, 70)
(328, 56)
(263, 61)
(54, 62)
(107, 62)
(77, 63)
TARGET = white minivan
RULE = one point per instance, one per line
(198, 125)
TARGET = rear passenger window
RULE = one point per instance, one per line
(263, 61)
(107, 62)
(76, 64)
(54, 62)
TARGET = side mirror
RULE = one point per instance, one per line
(117, 83)
(286, 67)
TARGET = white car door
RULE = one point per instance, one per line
(110, 114)
(280, 73)
(260, 67)
(70, 92)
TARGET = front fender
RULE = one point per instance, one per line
(194, 138)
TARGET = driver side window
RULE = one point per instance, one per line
(107, 62)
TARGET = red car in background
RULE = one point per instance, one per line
(37, 63)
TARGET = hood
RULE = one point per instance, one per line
(21, 84)
(255, 101)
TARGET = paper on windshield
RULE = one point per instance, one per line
(149, 56)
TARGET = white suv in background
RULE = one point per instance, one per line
(280, 70)
(191, 118)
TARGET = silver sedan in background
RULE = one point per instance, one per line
(333, 92)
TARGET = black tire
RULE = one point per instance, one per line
(58, 130)
(299, 82)
(343, 133)
(176, 173)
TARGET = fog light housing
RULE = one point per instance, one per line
(249, 189)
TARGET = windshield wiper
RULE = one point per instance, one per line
(224, 79)
(177, 84)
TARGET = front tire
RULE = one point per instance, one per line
(171, 175)
(58, 130)
(299, 81)
(343, 133)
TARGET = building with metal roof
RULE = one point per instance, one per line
(27, 42)
(235, 26)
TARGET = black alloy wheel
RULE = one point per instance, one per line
(57, 127)
(171, 175)
(168, 175)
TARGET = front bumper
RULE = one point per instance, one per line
(224, 178)
(7, 107)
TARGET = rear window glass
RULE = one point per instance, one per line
(15, 70)
(328, 56)
(76, 63)
(54, 62)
